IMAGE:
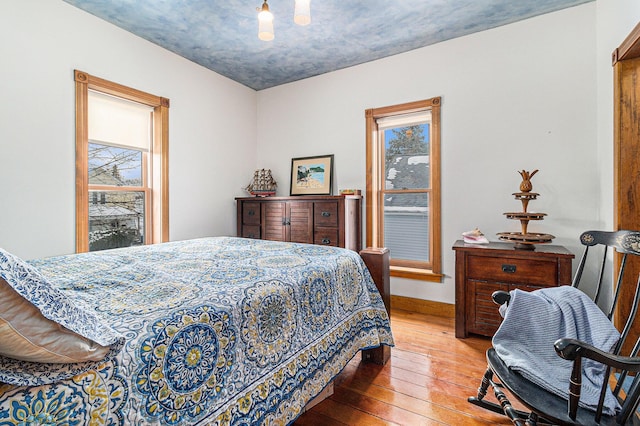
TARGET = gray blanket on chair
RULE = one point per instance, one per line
(533, 321)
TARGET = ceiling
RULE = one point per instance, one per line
(222, 35)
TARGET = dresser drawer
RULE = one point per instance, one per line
(251, 231)
(251, 213)
(326, 236)
(541, 271)
(325, 213)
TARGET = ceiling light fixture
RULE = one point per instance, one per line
(301, 16)
(302, 13)
(265, 23)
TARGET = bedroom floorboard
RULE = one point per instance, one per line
(426, 381)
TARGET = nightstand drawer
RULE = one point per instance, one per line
(251, 213)
(483, 316)
(513, 270)
(325, 213)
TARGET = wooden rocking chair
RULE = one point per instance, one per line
(546, 407)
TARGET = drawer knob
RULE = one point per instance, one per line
(251, 213)
(326, 241)
(326, 214)
(509, 269)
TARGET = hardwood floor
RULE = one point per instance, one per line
(426, 381)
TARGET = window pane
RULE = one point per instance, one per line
(407, 157)
(406, 226)
(109, 165)
(116, 219)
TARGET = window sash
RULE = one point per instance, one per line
(406, 232)
(382, 143)
(393, 122)
(144, 166)
(148, 205)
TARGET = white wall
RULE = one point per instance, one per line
(521, 96)
(534, 94)
(212, 125)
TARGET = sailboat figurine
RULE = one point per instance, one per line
(263, 184)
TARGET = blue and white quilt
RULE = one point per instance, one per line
(216, 331)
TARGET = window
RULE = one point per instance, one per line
(121, 165)
(403, 186)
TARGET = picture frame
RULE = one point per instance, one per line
(312, 175)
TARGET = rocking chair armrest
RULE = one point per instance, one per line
(570, 349)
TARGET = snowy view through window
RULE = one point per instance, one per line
(116, 217)
(406, 199)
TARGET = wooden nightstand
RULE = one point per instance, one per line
(482, 269)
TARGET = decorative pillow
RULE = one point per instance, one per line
(27, 335)
(40, 325)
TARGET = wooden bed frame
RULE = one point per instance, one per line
(377, 261)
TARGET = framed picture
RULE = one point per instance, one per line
(312, 175)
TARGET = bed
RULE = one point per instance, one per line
(218, 330)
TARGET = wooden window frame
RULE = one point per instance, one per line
(158, 195)
(374, 204)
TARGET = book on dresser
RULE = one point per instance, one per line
(333, 220)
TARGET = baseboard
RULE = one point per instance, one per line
(423, 306)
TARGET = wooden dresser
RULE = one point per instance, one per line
(333, 220)
(482, 269)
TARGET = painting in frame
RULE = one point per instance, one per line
(312, 175)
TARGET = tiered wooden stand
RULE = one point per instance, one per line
(525, 240)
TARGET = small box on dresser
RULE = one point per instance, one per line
(482, 269)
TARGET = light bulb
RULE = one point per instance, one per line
(302, 13)
(265, 23)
